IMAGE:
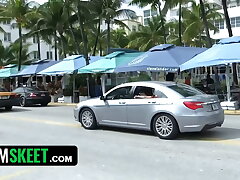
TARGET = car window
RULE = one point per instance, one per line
(31, 89)
(120, 93)
(147, 92)
(185, 90)
(18, 90)
(3, 90)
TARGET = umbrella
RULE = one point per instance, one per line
(226, 51)
(164, 57)
(10, 70)
(36, 67)
(68, 65)
(109, 63)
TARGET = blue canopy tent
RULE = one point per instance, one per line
(109, 63)
(68, 65)
(226, 51)
(164, 57)
(10, 70)
(36, 67)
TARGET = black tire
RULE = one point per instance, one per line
(165, 126)
(8, 108)
(23, 102)
(44, 104)
(89, 123)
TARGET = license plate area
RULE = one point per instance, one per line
(4, 97)
(215, 107)
(42, 94)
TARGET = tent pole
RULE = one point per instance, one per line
(73, 97)
(228, 82)
(103, 83)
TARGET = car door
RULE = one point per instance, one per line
(115, 106)
(141, 109)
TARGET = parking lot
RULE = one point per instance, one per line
(112, 153)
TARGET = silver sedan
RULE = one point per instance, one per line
(167, 108)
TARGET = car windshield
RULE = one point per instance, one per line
(3, 90)
(185, 90)
(31, 89)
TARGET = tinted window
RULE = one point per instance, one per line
(3, 90)
(18, 90)
(148, 92)
(31, 89)
(120, 93)
(184, 90)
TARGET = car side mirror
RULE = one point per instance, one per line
(103, 98)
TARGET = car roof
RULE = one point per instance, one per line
(149, 83)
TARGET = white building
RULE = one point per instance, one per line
(11, 35)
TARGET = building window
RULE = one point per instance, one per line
(8, 21)
(146, 13)
(235, 22)
(35, 55)
(34, 39)
(219, 24)
(134, 28)
(7, 36)
(154, 13)
(146, 21)
(49, 54)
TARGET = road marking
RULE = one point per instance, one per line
(222, 141)
(43, 121)
(16, 174)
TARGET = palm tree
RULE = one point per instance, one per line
(120, 38)
(228, 24)
(192, 18)
(154, 4)
(17, 10)
(54, 22)
(147, 36)
(111, 10)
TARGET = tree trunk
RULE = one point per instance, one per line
(227, 19)
(55, 45)
(108, 35)
(96, 41)
(162, 22)
(100, 49)
(20, 46)
(63, 47)
(180, 23)
(205, 23)
(83, 34)
(75, 40)
(39, 46)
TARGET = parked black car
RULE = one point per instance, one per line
(8, 99)
(32, 95)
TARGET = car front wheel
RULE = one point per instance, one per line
(23, 102)
(8, 108)
(165, 126)
(87, 119)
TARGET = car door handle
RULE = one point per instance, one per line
(122, 102)
(152, 102)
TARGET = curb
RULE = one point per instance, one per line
(232, 112)
(226, 112)
(62, 104)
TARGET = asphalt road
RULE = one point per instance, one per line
(117, 154)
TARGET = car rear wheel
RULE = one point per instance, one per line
(44, 104)
(23, 102)
(8, 108)
(87, 119)
(165, 126)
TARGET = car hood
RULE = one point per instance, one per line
(92, 101)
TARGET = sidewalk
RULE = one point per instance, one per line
(226, 112)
